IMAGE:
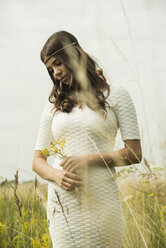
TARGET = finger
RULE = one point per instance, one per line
(68, 185)
(69, 168)
(64, 187)
(67, 188)
(73, 182)
(63, 161)
(73, 176)
(67, 164)
(72, 169)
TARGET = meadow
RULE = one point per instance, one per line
(23, 220)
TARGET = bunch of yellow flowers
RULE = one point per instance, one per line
(56, 149)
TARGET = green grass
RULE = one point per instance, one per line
(23, 216)
(23, 212)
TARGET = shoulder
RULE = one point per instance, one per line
(118, 95)
(123, 106)
(47, 110)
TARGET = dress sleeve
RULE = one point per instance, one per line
(44, 136)
(126, 115)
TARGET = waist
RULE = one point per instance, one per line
(102, 172)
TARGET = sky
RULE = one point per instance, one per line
(127, 39)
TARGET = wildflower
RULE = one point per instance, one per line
(56, 149)
(54, 143)
(2, 225)
(45, 152)
(62, 143)
(152, 194)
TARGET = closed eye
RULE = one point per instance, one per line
(56, 62)
(50, 70)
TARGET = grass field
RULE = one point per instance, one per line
(23, 220)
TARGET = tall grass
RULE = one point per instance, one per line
(147, 198)
(23, 220)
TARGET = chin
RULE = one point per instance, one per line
(67, 83)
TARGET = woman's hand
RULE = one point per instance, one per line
(68, 180)
(72, 163)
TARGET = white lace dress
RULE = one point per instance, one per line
(94, 217)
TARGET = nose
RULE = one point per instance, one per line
(57, 72)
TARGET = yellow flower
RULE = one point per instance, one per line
(56, 149)
(152, 194)
(45, 152)
(62, 143)
(36, 243)
(54, 143)
(2, 225)
(53, 149)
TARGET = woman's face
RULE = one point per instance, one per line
(59, 70)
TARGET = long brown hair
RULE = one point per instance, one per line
(88, 80)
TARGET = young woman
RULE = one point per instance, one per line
(84, 208)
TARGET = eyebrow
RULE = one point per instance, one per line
(51, 63)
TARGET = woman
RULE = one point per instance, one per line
(83, 207)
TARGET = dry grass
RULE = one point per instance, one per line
(23, 211)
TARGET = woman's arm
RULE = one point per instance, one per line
(66, 180)
(42, 168)
(130, 154)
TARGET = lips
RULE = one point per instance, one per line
(64, 78)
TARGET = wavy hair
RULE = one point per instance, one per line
(88, 80)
